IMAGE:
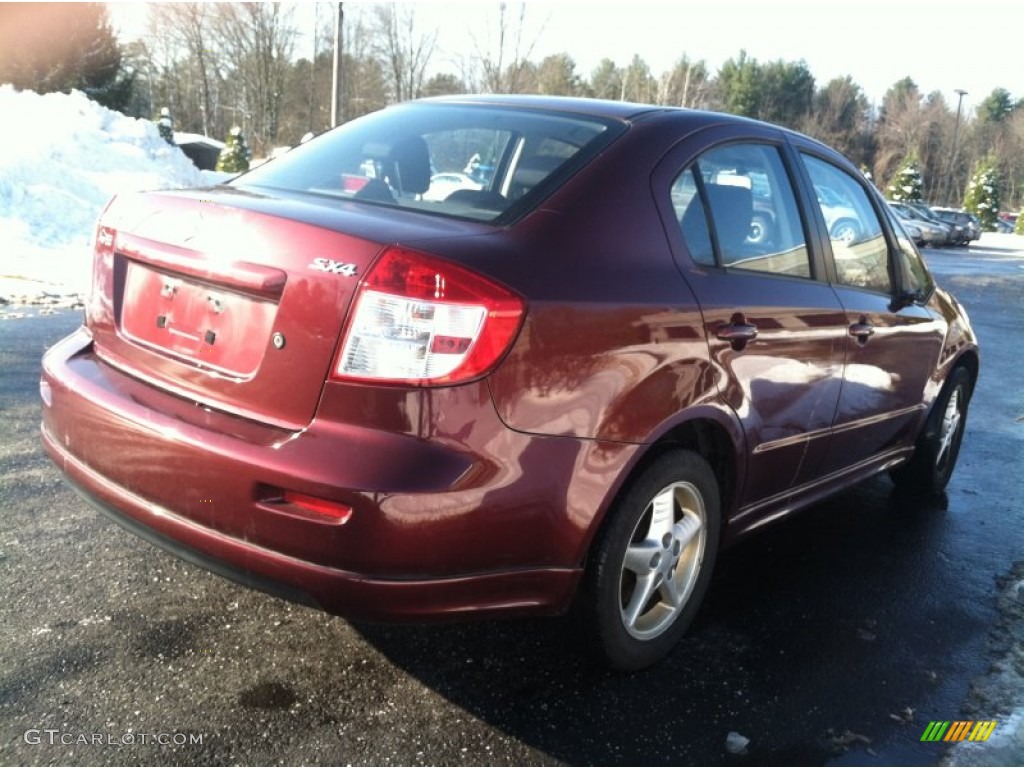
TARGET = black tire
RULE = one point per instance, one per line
(930, 468)
(628, 630)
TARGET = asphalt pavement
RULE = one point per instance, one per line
(832, 638)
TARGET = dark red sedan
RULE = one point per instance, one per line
(567, 387)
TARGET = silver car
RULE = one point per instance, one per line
(932, 232)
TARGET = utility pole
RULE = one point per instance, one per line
(338, 92)
(312, 66)
(960, 92)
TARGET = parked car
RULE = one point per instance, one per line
(912, 230)
(934, 232)
(570, 387)
(921, 232)
(957, 232)
(1006, 222)
(968, 221)
(443, 184)
(842, 220)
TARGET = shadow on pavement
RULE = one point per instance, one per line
(797, 621)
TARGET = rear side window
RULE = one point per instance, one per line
(737, 209)
(464, 161)
(859, 248)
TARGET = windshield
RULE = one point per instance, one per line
(478, 162)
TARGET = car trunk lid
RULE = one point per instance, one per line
(237, 309)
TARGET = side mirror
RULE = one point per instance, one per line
(906, 299)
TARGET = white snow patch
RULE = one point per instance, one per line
(1004, 747)
(62, 157)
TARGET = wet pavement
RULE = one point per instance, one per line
(832, 638)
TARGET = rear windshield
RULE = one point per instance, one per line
(477, 162)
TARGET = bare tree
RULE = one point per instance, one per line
(257, 39)
(841, 117)
(900, 127)
(504, 58)
(189, 26)
(404, 49)
(687, 84)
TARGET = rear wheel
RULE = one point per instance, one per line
(934, 459)
(652, 563)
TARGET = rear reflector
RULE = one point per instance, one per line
(421, 320)
(330, 509)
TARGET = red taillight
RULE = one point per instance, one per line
(422, 320)
(102, 267)
(324, 507)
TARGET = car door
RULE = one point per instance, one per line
(776, 330)
(892, 344)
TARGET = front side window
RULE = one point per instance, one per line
(737, 209)
(859, 248)
(457, 160)
(917, 281)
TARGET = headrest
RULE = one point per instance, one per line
(408, 166)
(732, 208)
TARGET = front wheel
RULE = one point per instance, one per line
(760, 230)
(845, 231)
(652, 563)
(934, 459)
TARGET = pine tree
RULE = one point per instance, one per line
(234, 158)
(982, 197)
(48, 47)
(906, 186)
(166, 126)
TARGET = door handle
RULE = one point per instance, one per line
(862, 331)
(737, 333)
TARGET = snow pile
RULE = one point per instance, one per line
(62, 157)
(999, 695)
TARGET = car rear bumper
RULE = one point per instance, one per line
(193, 482)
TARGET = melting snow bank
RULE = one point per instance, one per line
(62, 157)
(999, 695)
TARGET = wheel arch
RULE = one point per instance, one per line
(709, 432)
(969, 360)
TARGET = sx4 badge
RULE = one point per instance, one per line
(334, 267)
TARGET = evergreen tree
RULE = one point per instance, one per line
(905, 186)
(982, 197)
(996, 107)
(738, 85)
(234, 158)
(166, 126)
(47, 47)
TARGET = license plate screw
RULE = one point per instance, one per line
(278, 340)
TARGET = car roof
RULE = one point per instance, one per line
(620, 110)
(614, 110)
